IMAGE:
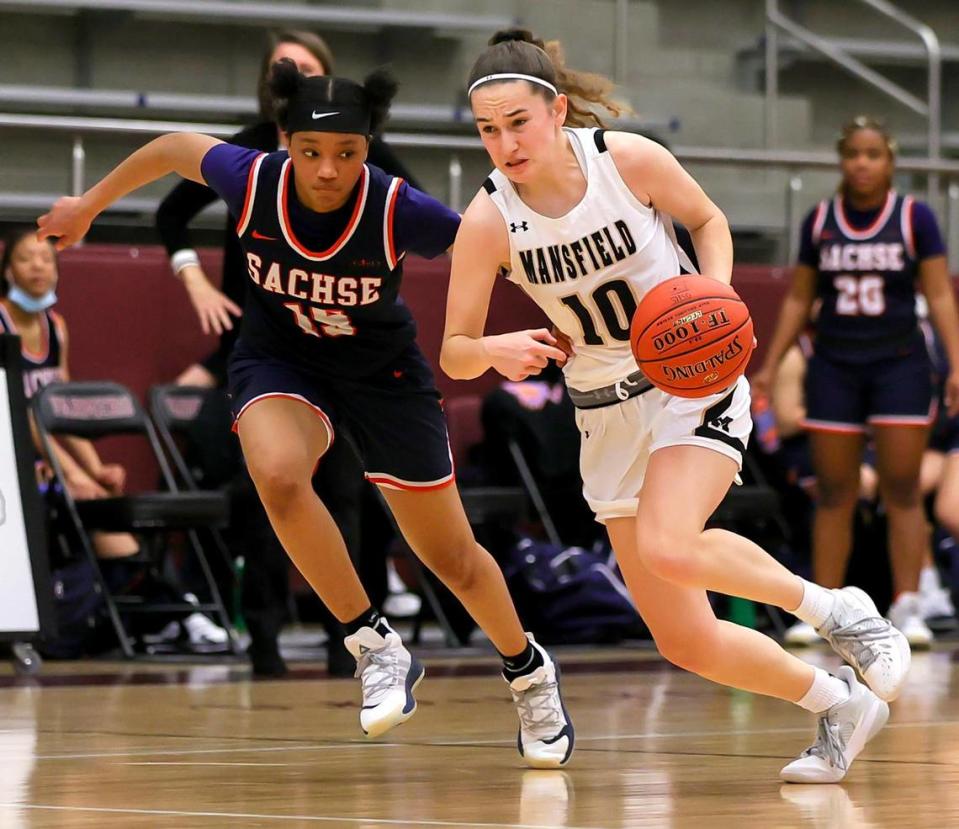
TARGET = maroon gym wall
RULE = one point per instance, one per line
(130, 319)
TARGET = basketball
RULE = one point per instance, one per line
(692, 336)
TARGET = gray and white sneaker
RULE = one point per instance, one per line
(843, 733)
(868, 642)
(388, 673)
(546, 735)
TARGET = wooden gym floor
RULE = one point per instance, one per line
(121, 745)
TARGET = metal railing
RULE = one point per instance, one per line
(931, 109)
(269, 13)
(791, 161)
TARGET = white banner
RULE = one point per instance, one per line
(18, 604)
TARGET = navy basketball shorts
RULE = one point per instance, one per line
(945, 433)
(849, 397)
(395, 416)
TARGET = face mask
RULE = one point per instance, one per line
(30, 304)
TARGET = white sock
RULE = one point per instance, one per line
(929, 580)
(825, 692)
(816, 604)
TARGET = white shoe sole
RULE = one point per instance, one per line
(872, 723)
(381, 726)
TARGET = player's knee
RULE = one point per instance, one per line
(695, 651)
(457, 565)
(901, 492)
(278, 483)
(836, 494)
(669, 553)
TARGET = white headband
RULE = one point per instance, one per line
(511, 76)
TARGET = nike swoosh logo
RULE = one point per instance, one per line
(318, 115)
(257, 235)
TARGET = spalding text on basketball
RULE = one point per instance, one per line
(700, 367)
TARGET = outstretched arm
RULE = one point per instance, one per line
(70, 218)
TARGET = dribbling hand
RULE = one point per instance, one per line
(522, 354)
(67, 222)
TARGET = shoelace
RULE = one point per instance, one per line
(865, 641)
(382, 676)
(829, 744)
(540, 711)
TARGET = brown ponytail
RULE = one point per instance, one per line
(519, 51)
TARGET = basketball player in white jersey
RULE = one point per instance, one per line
(579, 219)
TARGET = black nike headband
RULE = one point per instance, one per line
(327, 104)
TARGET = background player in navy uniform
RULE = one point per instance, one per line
(325, 337)
(265, 589)
(865, 253)
(654, 466)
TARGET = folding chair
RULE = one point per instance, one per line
(97, 410)
(174, 411)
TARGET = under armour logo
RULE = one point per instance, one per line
(721, 423)
(514, 226)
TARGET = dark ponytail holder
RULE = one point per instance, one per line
(520, 35)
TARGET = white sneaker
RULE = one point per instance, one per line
(843, 732)
(855, 630)
(546, 735)
(388, 673)
(204, 631)
(936, 604)
(800, 635)
(906, 614)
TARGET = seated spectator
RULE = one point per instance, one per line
(27, 295)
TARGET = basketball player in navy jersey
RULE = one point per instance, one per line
(326, 338)
(864, 254)
(578, 218)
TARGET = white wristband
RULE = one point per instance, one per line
(183, 258)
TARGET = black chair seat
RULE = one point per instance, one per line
(486, 503)
(156, 510)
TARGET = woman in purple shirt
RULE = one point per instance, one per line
(325, 338)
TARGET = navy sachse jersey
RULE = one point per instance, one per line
(42, 368)
(867, 282)
(335, 311)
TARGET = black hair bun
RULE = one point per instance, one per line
(380, 86)
(285, 79)
(521, 35)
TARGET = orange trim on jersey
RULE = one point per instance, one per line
(251, 181)
(906, 221)
(33, 356)
(388, 241)
(908, 420)
(382, 479)
(877, 224)
(830, 426)
(821, 212)
(287, 228)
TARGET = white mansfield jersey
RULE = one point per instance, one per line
(589, 269)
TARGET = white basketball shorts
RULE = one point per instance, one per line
(616, 441)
